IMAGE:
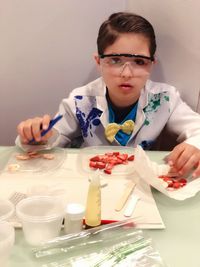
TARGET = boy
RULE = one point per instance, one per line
(124, 107)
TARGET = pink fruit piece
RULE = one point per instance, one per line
(48, 156)
(22, 156)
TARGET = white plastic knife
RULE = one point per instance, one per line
(131, 205)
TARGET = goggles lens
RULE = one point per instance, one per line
(117, 61)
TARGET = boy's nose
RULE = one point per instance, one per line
(127, 70)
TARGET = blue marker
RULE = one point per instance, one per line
(51, 124)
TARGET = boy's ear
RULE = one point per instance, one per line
(155, 60)
(96, 58)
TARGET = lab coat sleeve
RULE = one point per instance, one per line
(63, 132)
(68, 127)
(183, 121)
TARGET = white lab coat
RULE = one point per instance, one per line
(86, 114)
(159, 105)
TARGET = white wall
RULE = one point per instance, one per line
(46, 49)
(176, 23)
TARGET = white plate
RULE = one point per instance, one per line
(89, 152)
(36, 165)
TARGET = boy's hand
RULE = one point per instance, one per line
(184, 158)
(32, 128)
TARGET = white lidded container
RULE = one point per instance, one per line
(41, 218)
(74, 214)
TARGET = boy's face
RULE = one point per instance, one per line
(125, 77)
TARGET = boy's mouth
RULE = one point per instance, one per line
(126, 86)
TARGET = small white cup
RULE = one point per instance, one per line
(7, 238)
(6, 209)
(41, 218)
(74, 213)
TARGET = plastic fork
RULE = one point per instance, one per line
(15, 198)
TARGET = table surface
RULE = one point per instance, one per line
(178, 244)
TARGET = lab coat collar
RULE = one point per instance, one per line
(103, 105)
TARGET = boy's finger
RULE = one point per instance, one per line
(189, 165)
(36, 129)
(174, 155)
(196, 173)
(27, 129)
(45, 121)
(20, 130)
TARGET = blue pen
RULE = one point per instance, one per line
(51, 124)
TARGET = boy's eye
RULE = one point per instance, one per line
(140, 61)
(115, 60)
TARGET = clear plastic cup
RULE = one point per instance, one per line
(6, 209)
(7, 238)
(56, 190)
(41, 218)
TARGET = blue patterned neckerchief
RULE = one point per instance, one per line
(122, 137)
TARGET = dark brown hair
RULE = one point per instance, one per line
(125, 22)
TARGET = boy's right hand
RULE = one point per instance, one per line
(32, 128)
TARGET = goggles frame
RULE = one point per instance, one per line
(127, 55)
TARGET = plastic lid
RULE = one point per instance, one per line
(39, 209)
(75, 211)
(56, 190)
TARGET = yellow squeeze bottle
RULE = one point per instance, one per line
(93, 206)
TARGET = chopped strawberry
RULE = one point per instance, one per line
(109, 154)
(173, 183)
(123, 157)
(93, 164)
(113, 162)
(176, 185)
(170, 184)
(108, 171)
(182, 181)
(104, 159)
(119, 161)
(109, 160)
(100, 165)
(131, 158)
(109, 166)
(95, 158)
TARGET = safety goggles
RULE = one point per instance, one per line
(118, 61)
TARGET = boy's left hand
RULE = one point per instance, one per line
(184, 158)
